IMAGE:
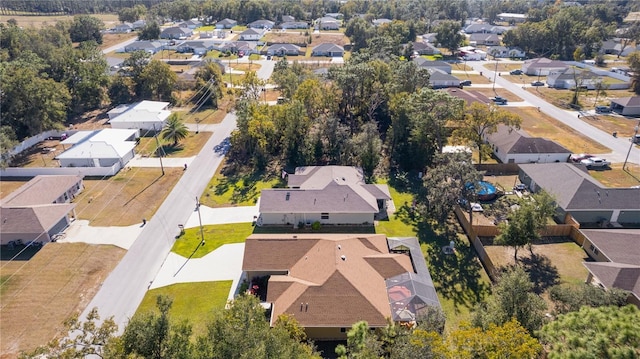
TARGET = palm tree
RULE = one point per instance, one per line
(174, 130)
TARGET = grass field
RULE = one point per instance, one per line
(188, 147)
(109, 39)
(475, 79)
(540, 125)
(489, 93)
(236, 190)
(188, 244)
(207, 116)
(191, 301)
(39, 293)
(610, 123)
(503, 67)
(38, 21)
(246, 67)
(127, 197)
(7, 186)
(616, 177)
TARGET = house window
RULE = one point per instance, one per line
(343, 330)
(324, 216)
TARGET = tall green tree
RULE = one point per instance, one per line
(480, 121)
(512, 297)
(603, 332)
(368, 147)
(86, 28)
(150, 31)
(361, 343)
(157, 81)
(634, 64)
(209, 75)
(570, 298)
(448, 35)
(174, 130)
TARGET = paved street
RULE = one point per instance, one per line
(619, 146)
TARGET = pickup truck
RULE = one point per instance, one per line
(595, 162)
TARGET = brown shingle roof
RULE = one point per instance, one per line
(41, 190)
(334, 290)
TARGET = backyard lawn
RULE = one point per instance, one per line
(237, 189)
(41, 289)
(188, 244)
(614, 176)
(188, 147)
(127, 197)
(9, 185)
(191, 301)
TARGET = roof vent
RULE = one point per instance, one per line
(339, 247)
(287, 196)
(343, 257)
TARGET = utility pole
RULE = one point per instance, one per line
(155, 135)
(200, 220)
(631, 145)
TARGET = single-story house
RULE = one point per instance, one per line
(191, 24)
(103, 148)
(510, 145)
(428, 64)
(287, 18)
(176, 33)
(261, 24)
(144, 116)
(327, 23)
(335, 15)
(619, 50)
(294, 25)
(330, 281)
(580, 195)
(430, 38)
(124, 27)
(440, 79)
(248, 47)
(484, 29)
(542, 66)
(194, 46)
(151, 47)
(627, 106)
(473, 55)
(504, 52)
(424, 48)
(512, 17)
(566, 79)
(39, 209)
(283, 50)
(617, 259)
(139, 24)
(325, 194)
(608, 46)
(484, 39)
(226, 24)
(251, 34)
(328, 49)
(382, 21)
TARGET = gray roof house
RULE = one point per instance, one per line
(627, 106)
(427, 64)
(327, 194)
(287, 18)
(124, 27)
(151, 47)
(505, 52)
(608, 46)
(176, 33)
(582, 196)
(440, 79)
(484, 39)
(261, 24)
(617, 259)
(335, 15)
(566, 79)
(484, 29)
(328, 49)
(382, 21)
(424, 48)
(251, 34)
(283, 50)
(191, 24)
(542, 66)
(226, 24)
(294, 25)
(516, 146)
(327, 23)
(430, 37)
(139, 24)
(197, 47)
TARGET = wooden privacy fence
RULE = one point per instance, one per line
(475, 242)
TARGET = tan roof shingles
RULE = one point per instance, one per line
(338, 291)
(40, 190)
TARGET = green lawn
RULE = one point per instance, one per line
(191, 301)
(188, 147)
(397, 225)
(188, 244)
(237, 189)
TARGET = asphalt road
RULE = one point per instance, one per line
(123, 290)
(619, 146)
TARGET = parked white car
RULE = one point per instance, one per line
(595, 162)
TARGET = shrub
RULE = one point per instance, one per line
(315, 226)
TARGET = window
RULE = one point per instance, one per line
(324, 216)
(343, 330)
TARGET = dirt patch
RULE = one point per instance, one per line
(503, 67)
(39, 294)
(126, 198)
(39, 21)
(109, 40)
(41, 155)
(246, 67)
(8, 186)
(288, 37)
(92, 120)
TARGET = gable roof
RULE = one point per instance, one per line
(574, 189)
(422, 62)
(251, 31)
(41, 189)
(106, 143)
(514, 141)
(633, 101)
(571, 73)
(144, 44)
(264, 23)
(616, 275)
(328, 47)
(543, 62)
(332, 280)
(227, 21)
(176, 30)
(283, 47)
(439, 75)
(144, 111)
(36, 219)
(484, 37)
(618, 245)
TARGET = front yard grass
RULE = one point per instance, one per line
(188, 244)
(207, 116)
(489, 93)
(188, 147)
(503, 67)
(58, 280)
(191, 301)
(616, 177)
(237, 189)
(612, 123)
(126, 198)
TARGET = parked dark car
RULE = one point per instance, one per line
(537, 83)
(603, 109)
(465, 83)
(515, 72)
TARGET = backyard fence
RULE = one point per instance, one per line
(28, 172)
(32, 141)
(498, 168)
(475, 242)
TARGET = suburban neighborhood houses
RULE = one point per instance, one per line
(268, 179)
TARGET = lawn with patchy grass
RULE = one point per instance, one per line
(489, 93)
(43, 288)
(207, 116)
(188, 244)
(615, 177)
(237, 189)
(246, 67)
(191, 301)
(475, 78)
(111, 39)
(190, 146)
(41, 155)
(38, 21)
(127, 197)
(503, 67)
(622, 125)
(539, 124)
(9, 185)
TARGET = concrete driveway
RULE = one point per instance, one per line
(81, 232)
(241, 214)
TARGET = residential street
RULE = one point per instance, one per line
(619, 146)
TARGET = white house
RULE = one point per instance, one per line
(124, 27)
(474, 55)
(294, 25)
(327, 23)
(261, 24)
(251, 34)
(567, 78)
(440, 79)
(226, 24)
(542, 66)
(328, 49)
(144, 116)
(428, 64)
(516, 146)
(103, 148)
(505, 52)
